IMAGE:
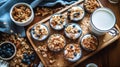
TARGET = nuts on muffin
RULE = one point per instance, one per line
(21, 13)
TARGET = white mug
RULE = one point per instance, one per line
(102, 20)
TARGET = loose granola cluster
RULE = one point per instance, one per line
(58, 20)
(71, 51)
(56, 42)
(90, 43)
(39, 31)
(91, 5)
(44, 51)
(21, 13)
(75, 12)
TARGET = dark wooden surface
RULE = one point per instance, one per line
(110, 56)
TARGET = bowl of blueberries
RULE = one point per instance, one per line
(7, 50)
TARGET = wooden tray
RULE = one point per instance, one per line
(60, 61)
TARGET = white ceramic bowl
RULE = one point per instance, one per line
(24, 23)
(12, 54)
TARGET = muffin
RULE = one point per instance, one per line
(91, 5)
(89, 42)
(72, 52)
(57, 21)
(40, 32)
(76, 13)
(56, 42)
(73, 31)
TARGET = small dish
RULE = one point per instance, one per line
(22, 14)
(40, 32)
(89, 42)
(91, 5)
(72, 52)
(56, 42)
(57, 21)
(73, 31)
(76, 13)
(7, 50)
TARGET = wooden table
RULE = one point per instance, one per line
(108, 57)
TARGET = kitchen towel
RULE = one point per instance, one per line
(8, 26)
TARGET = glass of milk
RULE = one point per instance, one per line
(102, 20)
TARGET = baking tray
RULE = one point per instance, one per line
(104, 41)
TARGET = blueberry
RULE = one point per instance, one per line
(4, 47)
(26, 57)
(60, 16)
(38, 36)
(0, 49)
(35, 65)
(32, 58)
(76, 14)
(61, 22)
(74, 26)
(40, 30)
(12, 51)
(3, 56)
(9, 54)
(8, 49)
(0, 52)
(33, 32)
(23, 60)
(29, 63)
(24, 54)
(69, 11)
(33, 29)
(79, 31)
(27, 60)
(71, 47)
(75, 54)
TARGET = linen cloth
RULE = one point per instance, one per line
(8, 26)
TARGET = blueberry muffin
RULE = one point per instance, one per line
(76, 13)
(40, 32)
(72, 52)
(73, 31)
(57, 21)
(89, 42)
(56, 42)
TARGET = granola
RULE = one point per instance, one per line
(76, 13)
(21, 13)
(56, 42)
(72, 52)
(89, 42)
(91, 5)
